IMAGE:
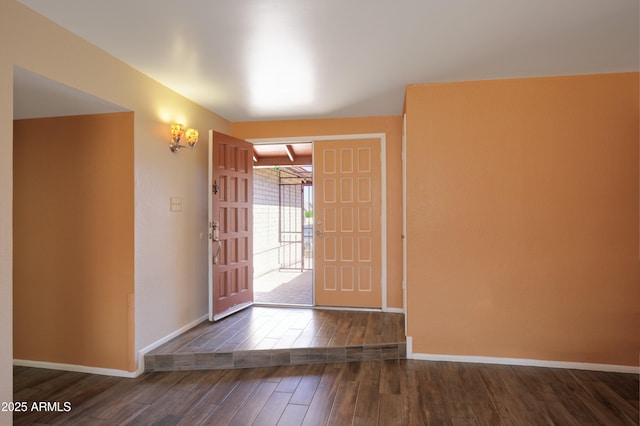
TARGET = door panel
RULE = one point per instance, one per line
(231, 286)
(347, 218)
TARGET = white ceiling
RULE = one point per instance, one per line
(275, 59)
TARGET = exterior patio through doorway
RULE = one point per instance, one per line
(283, 240)
(284, 287)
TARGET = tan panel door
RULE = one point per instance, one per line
(231, 242)
(347, 217)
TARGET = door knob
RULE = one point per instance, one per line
(319, 233)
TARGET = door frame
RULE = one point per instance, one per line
(209, 220)
(404, 227)
(383, 164)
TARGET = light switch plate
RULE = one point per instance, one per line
(175, 204)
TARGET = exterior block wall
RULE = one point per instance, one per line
(269, 254)
(265, 221)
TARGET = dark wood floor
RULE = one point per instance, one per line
(267, 336)
(387, 392)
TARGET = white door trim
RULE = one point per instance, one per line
(209, 220)
(383, 164)
(404, 221)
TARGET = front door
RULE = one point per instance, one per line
(231, 230)
(347, 223)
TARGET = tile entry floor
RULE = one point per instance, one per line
(262, 336)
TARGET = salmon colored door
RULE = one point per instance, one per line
(231, 210)
(347, 217)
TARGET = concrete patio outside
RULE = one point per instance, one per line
(284, 287)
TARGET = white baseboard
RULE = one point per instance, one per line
(176, 333)
(394, 310)
(75, 368)
(165, 339)
(109, 371)
(523, 362)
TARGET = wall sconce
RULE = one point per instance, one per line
(178, 134)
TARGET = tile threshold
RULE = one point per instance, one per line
(273, 357)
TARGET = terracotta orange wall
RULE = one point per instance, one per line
(392, 127)
(73, 240)
(523, 218)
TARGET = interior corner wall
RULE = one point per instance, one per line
(170, 249)
(523, 218)
(74, 240)
(389, 125)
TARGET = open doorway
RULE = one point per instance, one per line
(283, 224)
(78, 271)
